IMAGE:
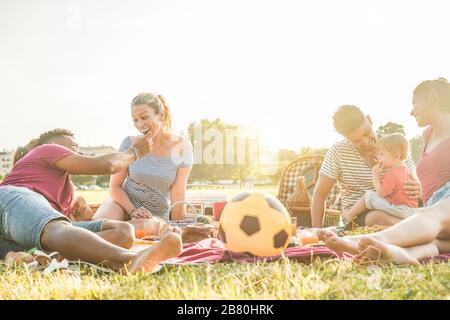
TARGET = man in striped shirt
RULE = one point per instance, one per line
(349, 163)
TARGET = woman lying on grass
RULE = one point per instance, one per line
(427, 232)
(36, 201)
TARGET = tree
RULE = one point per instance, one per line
(103, 181)
(415, 144)
(83, 180)
(1, 178)
(222, 151)
(389, 128)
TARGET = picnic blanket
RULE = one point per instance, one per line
(213, 251)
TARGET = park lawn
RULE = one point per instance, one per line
(326, 279)
(99, 196)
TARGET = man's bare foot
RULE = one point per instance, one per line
(336, 243)
(376, 250)
(146, 260)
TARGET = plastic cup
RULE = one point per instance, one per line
(142, 229)
(308, 237)
(217, 208)
(294, 226)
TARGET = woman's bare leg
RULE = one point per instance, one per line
(425, 226)
(380, 251)
(80, 244)
(110, 210)
(380, 218)
(120, 233)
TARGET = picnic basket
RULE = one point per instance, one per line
(308, 167)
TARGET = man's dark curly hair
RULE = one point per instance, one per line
(44, 138)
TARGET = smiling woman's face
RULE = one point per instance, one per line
(144, 118)
(422, 110)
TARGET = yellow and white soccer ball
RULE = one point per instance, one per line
(255, 223)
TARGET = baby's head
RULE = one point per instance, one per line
(393, 149)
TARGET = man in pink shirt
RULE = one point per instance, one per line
(37, 197)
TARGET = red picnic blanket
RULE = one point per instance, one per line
(212, 250)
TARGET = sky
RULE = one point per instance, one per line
(282, 67)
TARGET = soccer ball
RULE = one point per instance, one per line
(255, 223)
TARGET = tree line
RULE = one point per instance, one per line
(226, 159)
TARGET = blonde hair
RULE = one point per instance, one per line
(395, 144)
(157, 103)
(441, 86)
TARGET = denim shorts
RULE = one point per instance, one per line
(25, 213)
(442, 193)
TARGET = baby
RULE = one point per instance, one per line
(389, 176)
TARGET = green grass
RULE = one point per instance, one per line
(99, 196)
(327, 279)
(279, 280)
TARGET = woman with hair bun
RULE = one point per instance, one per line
(149, 185)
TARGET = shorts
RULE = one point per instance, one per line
(440, 194)
(25, 213)
(360, 220)
(375, 202)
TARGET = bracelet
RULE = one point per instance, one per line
(135, 151)
(130, 214)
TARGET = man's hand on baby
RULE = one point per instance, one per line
(413, 189)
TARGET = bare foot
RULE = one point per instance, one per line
(336, 243)
(146, 260)
(324, 234)
(168, 228)
(376, 250)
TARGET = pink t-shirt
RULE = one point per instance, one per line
(433, 168)
(392, 184)
(36, 171)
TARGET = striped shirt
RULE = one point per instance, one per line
(345, 164)
(150, 179)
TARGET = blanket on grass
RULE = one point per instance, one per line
(212, 251)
